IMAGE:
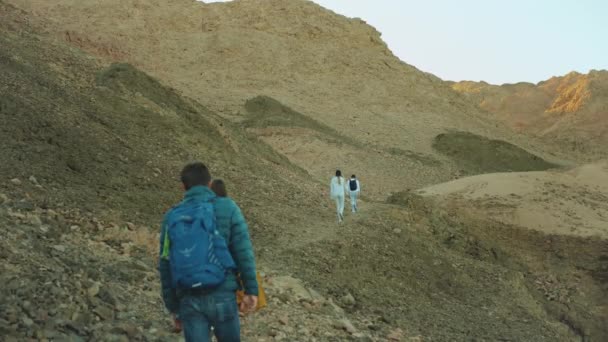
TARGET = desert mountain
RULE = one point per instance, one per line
(91, 149)
(571, 110)
(335, 71)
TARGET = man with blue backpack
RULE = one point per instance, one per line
(204, 243)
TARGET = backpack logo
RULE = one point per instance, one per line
(198, 254)
(187, 252)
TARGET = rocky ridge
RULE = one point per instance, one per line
(569, 110)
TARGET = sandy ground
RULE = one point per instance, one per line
(573, 202)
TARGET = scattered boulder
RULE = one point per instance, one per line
(93, 290)
(28, 322)
(292, 285)
(104, 312)
(16, 181)
(34, 220)
(395, 335)
(346, 325)
(348, 300)
(59, 248)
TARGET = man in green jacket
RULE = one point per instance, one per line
(200, 309)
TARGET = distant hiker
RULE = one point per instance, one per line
(354, 188)
(204, 242)
(337, 193)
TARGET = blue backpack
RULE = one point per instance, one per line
(198, 254)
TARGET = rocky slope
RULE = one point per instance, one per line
(70, 276)
(570, 110)
(87, 166)
(539, 216)
(334, 70)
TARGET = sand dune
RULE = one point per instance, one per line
(573, 202)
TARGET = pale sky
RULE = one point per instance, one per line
(498, 41)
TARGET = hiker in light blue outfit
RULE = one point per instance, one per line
(354, 188)
(336, 188)
(200, 287)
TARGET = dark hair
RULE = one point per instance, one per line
(339, 175)
(195, 174)
(353, 176)
(219, 187)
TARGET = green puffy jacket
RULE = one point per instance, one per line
(232, 226)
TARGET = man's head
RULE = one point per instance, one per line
(195, 174)
(353, 176)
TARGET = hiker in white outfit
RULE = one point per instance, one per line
(354, 188)
(336, 187)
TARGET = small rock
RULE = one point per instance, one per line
(42, 315)
(316, 296)
(35, 220)
(93, 290)
(348, 299)
(130, 226)
(303, 331)
(373, 327)
(338, 310)
(16, 215)
(3, 199)
(128, 329)
(280, 336)
(115, 338)
(51, 213)
(397, 231)
(33, 180)
(16, 181)
(104, 312)
(345, 324)
(59, 248)
(284, 320)
(28, 322)
(395, 335)
(386, 319)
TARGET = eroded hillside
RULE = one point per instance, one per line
(571, 110)
(334, 70)
(92, 148)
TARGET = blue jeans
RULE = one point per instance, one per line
(218, 310)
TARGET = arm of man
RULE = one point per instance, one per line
(241, 250)
(164, 268)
